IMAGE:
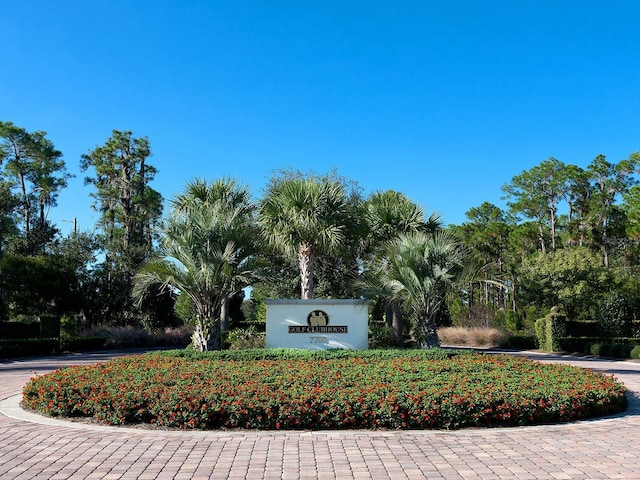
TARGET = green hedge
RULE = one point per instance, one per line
(292, 353)
(549, 329)
(583, 328)
(84, 344)
(24, 347)
(19, 330)
(522, 342)
(583, 344)
(616, 350)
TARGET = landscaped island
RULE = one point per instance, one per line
(285, 389)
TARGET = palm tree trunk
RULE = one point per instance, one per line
(224, 314)
(306, 262)
(396, 323)
(200, 337)
(427, 333)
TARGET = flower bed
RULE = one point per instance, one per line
(367, 391)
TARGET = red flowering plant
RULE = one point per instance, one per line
(372, 390)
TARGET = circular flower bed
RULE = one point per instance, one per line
(325, 391)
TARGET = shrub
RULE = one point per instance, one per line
(24, 347)
(575, 344)
(549, 329)
(522, 341)
(600, 349)
(381, 336)
(616, 350)
(620, 350)
(292, 353)
(19, 330)
(614, 315)
(173, 336)
(584, 328)
(83, 344)
(635, 353)
(245, 339)
(325, 390)
(513, 321)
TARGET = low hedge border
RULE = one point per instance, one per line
(615, 350)
(617, 347)
(24, 347)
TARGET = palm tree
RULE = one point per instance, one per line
(303, 217)
(208, 252)
(228, 195)
(417, 271)
(389, 214)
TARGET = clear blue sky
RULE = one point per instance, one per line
(444, 101)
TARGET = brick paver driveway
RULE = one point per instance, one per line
(32, 447)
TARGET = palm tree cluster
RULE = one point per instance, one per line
(216, 242)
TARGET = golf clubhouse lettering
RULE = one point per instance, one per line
(327, 329)
(317, 324)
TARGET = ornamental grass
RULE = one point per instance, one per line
(321, 391)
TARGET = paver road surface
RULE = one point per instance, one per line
(34, 447)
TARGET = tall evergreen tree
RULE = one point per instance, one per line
(129, 210)
(609, 182)
(36, 173)
(536, 193)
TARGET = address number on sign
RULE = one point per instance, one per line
(319, 339)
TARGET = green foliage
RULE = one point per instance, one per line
(593, 344)
(129, 213)
(157, 309)
(522, 342)
(28, 346)
(208, 252)
(307, 216)
(512, 321)
(615, 350)
(381, 336)
(33, 176)
(536, 194)
(631, 207)
(549, 329)
(245, 339)
(20, 329)
(417, 271)
(38, 285)
(291, 353)
(573, 278)
(185, 309)
(614, 315)
(326, 392)
(541, 333)
(635, 353)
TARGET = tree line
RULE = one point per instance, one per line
(83, 273)
(568, 239)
